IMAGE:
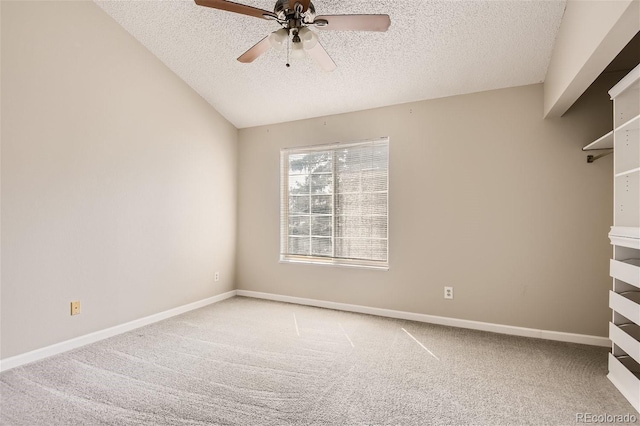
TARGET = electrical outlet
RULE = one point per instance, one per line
(217, 276)
(448, 292)
(75, 307)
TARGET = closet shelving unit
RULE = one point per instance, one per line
(624, 298)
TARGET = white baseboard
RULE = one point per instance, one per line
(38, 354)
(67, 345)
(432, 319)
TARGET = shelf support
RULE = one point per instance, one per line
(592, 158)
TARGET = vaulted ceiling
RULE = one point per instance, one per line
(432, 49)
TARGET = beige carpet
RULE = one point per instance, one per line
(252, 362)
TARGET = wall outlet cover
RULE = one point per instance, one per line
(448, 292)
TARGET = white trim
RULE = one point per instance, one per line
(342, 263)
(432, 319)
(633, 243)
(334, 145)
(67, 345)
(625, 231)
(285, 214)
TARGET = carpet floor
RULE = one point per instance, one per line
(252, 362)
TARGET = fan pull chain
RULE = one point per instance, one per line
(288, 43)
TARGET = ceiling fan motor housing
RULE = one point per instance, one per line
(285, 13)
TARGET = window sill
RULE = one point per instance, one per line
(333, 262)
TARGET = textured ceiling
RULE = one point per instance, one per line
(433, 49)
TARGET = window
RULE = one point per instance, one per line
(334, 204)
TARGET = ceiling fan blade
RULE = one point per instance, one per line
(321, 57)
(236, 8)
(304, 3)
(258, 49)
(353, 22)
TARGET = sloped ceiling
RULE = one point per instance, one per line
(433, 49)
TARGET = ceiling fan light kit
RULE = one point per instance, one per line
(279, 38)
(308, 38)
(297, 51)
(295, 17)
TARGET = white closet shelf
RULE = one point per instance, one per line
(633, 243)
(625, 340)
(633, 124)
(626, 380)
(626, 305)
(628, 172)
(625, 271)
(604, 142)
(630, 363)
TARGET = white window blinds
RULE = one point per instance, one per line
(334, 206)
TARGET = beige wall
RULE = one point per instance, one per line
(118, 180)
(119, 189)
(592, 33)
(485, 196)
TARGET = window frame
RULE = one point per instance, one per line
(285, 214)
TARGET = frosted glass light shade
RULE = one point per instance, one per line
(278, 38)
(297, 51)
(309, 38)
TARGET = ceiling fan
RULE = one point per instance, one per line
(295, 17)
